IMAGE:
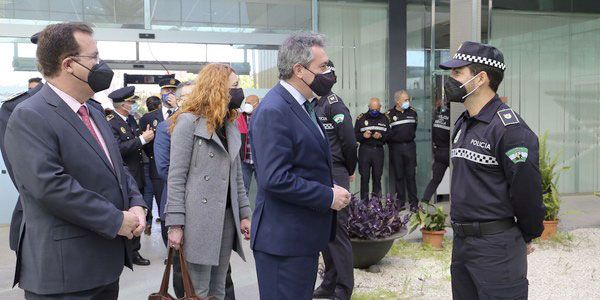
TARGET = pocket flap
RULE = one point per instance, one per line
(64, 232)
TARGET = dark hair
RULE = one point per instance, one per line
(152, 103)
(35, 79)
(494, 74)
(55, 43)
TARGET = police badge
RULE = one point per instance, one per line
(366, 123)
(155, 123)
(123, 130)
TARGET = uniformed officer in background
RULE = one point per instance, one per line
(403, 150)
(440, 137)
(371, 131)
(338, 280)
(496, 189)
(168, 88)
(130, 140)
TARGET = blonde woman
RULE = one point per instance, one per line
(207, 211)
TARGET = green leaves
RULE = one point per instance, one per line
(428, 217)
(550, 173)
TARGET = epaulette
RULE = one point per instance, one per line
(333, 98)
(14, 96)
(361, 115)
(109, 117)
(508, 116)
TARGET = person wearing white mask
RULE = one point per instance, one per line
(248, 170)
(403, 150)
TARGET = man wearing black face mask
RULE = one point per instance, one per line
(496, 189)
(151, 119)
(371, 130)
(80, 204)
(338, 279)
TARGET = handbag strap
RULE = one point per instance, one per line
(164, 286)
(188, 287)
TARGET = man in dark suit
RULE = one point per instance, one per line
(130, 140)
(80, 204)
(294, 217)
(168, 88)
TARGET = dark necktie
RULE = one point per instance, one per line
(169, 113)
(311, 112)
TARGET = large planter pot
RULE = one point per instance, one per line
(550, 228)
(435, 239)
(369, 252)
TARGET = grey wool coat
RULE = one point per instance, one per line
(197, 189)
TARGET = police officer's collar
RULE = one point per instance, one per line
(488, 111)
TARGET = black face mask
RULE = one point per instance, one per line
(455, 91)
(237, 96)
(322, 83)
(99, 77)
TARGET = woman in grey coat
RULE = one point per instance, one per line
(207, 210)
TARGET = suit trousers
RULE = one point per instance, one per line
(107, 292)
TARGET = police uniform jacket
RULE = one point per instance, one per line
(127, 133)
(366, 122)
(496, 170)
(336, 119)
(403, 125)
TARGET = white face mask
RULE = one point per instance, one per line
(247, 108)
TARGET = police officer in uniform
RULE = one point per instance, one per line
(496, 190)
(371, 132)
(130, 140)
(338, 280)
(440, 137)
(168, 88)
(403, 150)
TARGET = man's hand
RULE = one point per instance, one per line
(367, 134)
(148, 134)
(377, 135)
(352, 177)
(341, 197)
(172, 100)
(530, 248)
(139, 212)
(245, 228)
(175, 237)
(130, 223)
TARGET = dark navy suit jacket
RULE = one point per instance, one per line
(162, 158)
(293, 169)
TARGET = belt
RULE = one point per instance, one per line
(482, 228)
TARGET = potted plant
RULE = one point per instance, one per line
(550, 173)
(373, 226)
(431, 219)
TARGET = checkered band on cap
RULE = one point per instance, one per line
(481, 60)
(474, 156)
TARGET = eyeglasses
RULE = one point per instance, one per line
(95, 58)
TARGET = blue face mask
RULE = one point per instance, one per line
(134, 108)
(374, 113)
(405, 105)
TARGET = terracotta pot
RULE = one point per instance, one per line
(550, 228)
(369, 252)
(435, 239)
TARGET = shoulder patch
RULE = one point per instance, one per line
(518, 154)
(110, 117)
(339, 118)
(508, 116)
(14, 96)
(332, 99)
(360, 116)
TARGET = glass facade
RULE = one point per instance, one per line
(553, 80)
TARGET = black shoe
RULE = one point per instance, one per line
(139, 260)
(165, 262)
(157, 220)
(414, 208)
(321, 293)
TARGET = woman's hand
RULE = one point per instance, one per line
(245, 228)
(175, 237)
